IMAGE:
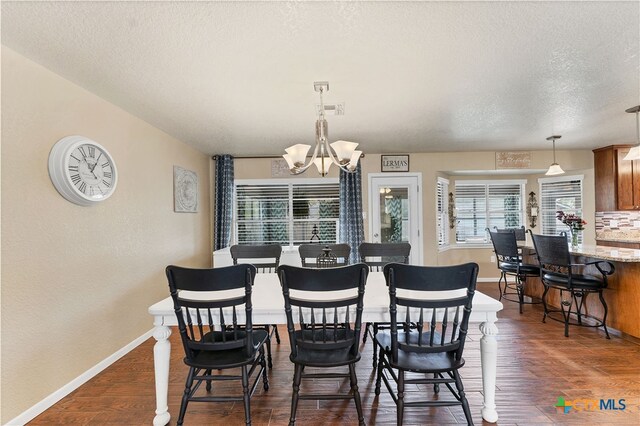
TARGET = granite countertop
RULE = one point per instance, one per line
(614, 254)
(628, 235)
(618, 240)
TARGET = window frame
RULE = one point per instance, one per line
(291, 183)
(442, 214)
(542, 210)
(487, 211)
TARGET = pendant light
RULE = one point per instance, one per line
(634, 153)
(555, 168)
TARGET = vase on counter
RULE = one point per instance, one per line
(574, 237)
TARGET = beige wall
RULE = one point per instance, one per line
(77, 281)
(432, 165)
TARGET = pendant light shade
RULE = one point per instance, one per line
(634, 153)
(555, 168)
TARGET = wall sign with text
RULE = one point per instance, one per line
(395, 163)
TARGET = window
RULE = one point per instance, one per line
(485, 204)
(442, 212)
(286, 212)
(563, 193)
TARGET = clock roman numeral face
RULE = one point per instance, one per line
(91, 171)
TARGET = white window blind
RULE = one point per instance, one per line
(281, 212)
(481, 205)
(559, 194)
(442, 212)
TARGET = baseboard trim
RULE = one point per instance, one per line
(56, 396)
(487, 280)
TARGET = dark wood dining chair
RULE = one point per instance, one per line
(376, 256)
(310, 252)
(324, 327)
(266, 258)
(559, 271)
(212, 336)
(427, 334)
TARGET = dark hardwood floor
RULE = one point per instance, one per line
(536, 365)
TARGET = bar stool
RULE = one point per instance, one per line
(509, 261)
(559, 272)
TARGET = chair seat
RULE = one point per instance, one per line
(419, 362)
(320, 357)
(585, 282)
(227, 358)
(525, 268)
(324, 358)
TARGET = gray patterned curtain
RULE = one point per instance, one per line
(224, 202)
(351, 226)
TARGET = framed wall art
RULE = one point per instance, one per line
(185, 190)
(394, 163)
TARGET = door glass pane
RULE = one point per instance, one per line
(394, 215)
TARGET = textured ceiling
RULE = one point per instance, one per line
(237, 77)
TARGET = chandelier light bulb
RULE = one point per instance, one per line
(298, 153)
(344, 150)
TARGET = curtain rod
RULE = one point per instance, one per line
(250, 157)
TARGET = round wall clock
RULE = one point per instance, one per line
(82, 170)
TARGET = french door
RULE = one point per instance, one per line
(395, 210)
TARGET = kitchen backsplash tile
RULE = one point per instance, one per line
(618, 226)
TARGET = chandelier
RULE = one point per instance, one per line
(634, 153)
(341, 153)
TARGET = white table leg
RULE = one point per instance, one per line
(489, 360)
(161, 355)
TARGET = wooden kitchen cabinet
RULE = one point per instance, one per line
(628, 182)
(617, 180)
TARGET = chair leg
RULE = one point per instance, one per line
(208, 373)
(566, 314)
(245, 395)
(297, 378)
(379, 373)
(356, 393)
(185, 395)
(373, 343)
(520, 290)
(463, 398)
(268, 342)
(502, 275)
(275, 327)
(263, 364)
(581, 296)
(604, 318)
(400, 403)
(366, 332)
(544, 303)
(436, 386)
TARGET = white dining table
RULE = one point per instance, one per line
(268, 308)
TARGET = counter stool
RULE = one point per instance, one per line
(509, 260)
(557, 271)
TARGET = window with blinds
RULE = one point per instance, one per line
(442, 212)
(487, 204)
(286, 213)
(564, 193)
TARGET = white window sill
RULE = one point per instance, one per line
(462, 246)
